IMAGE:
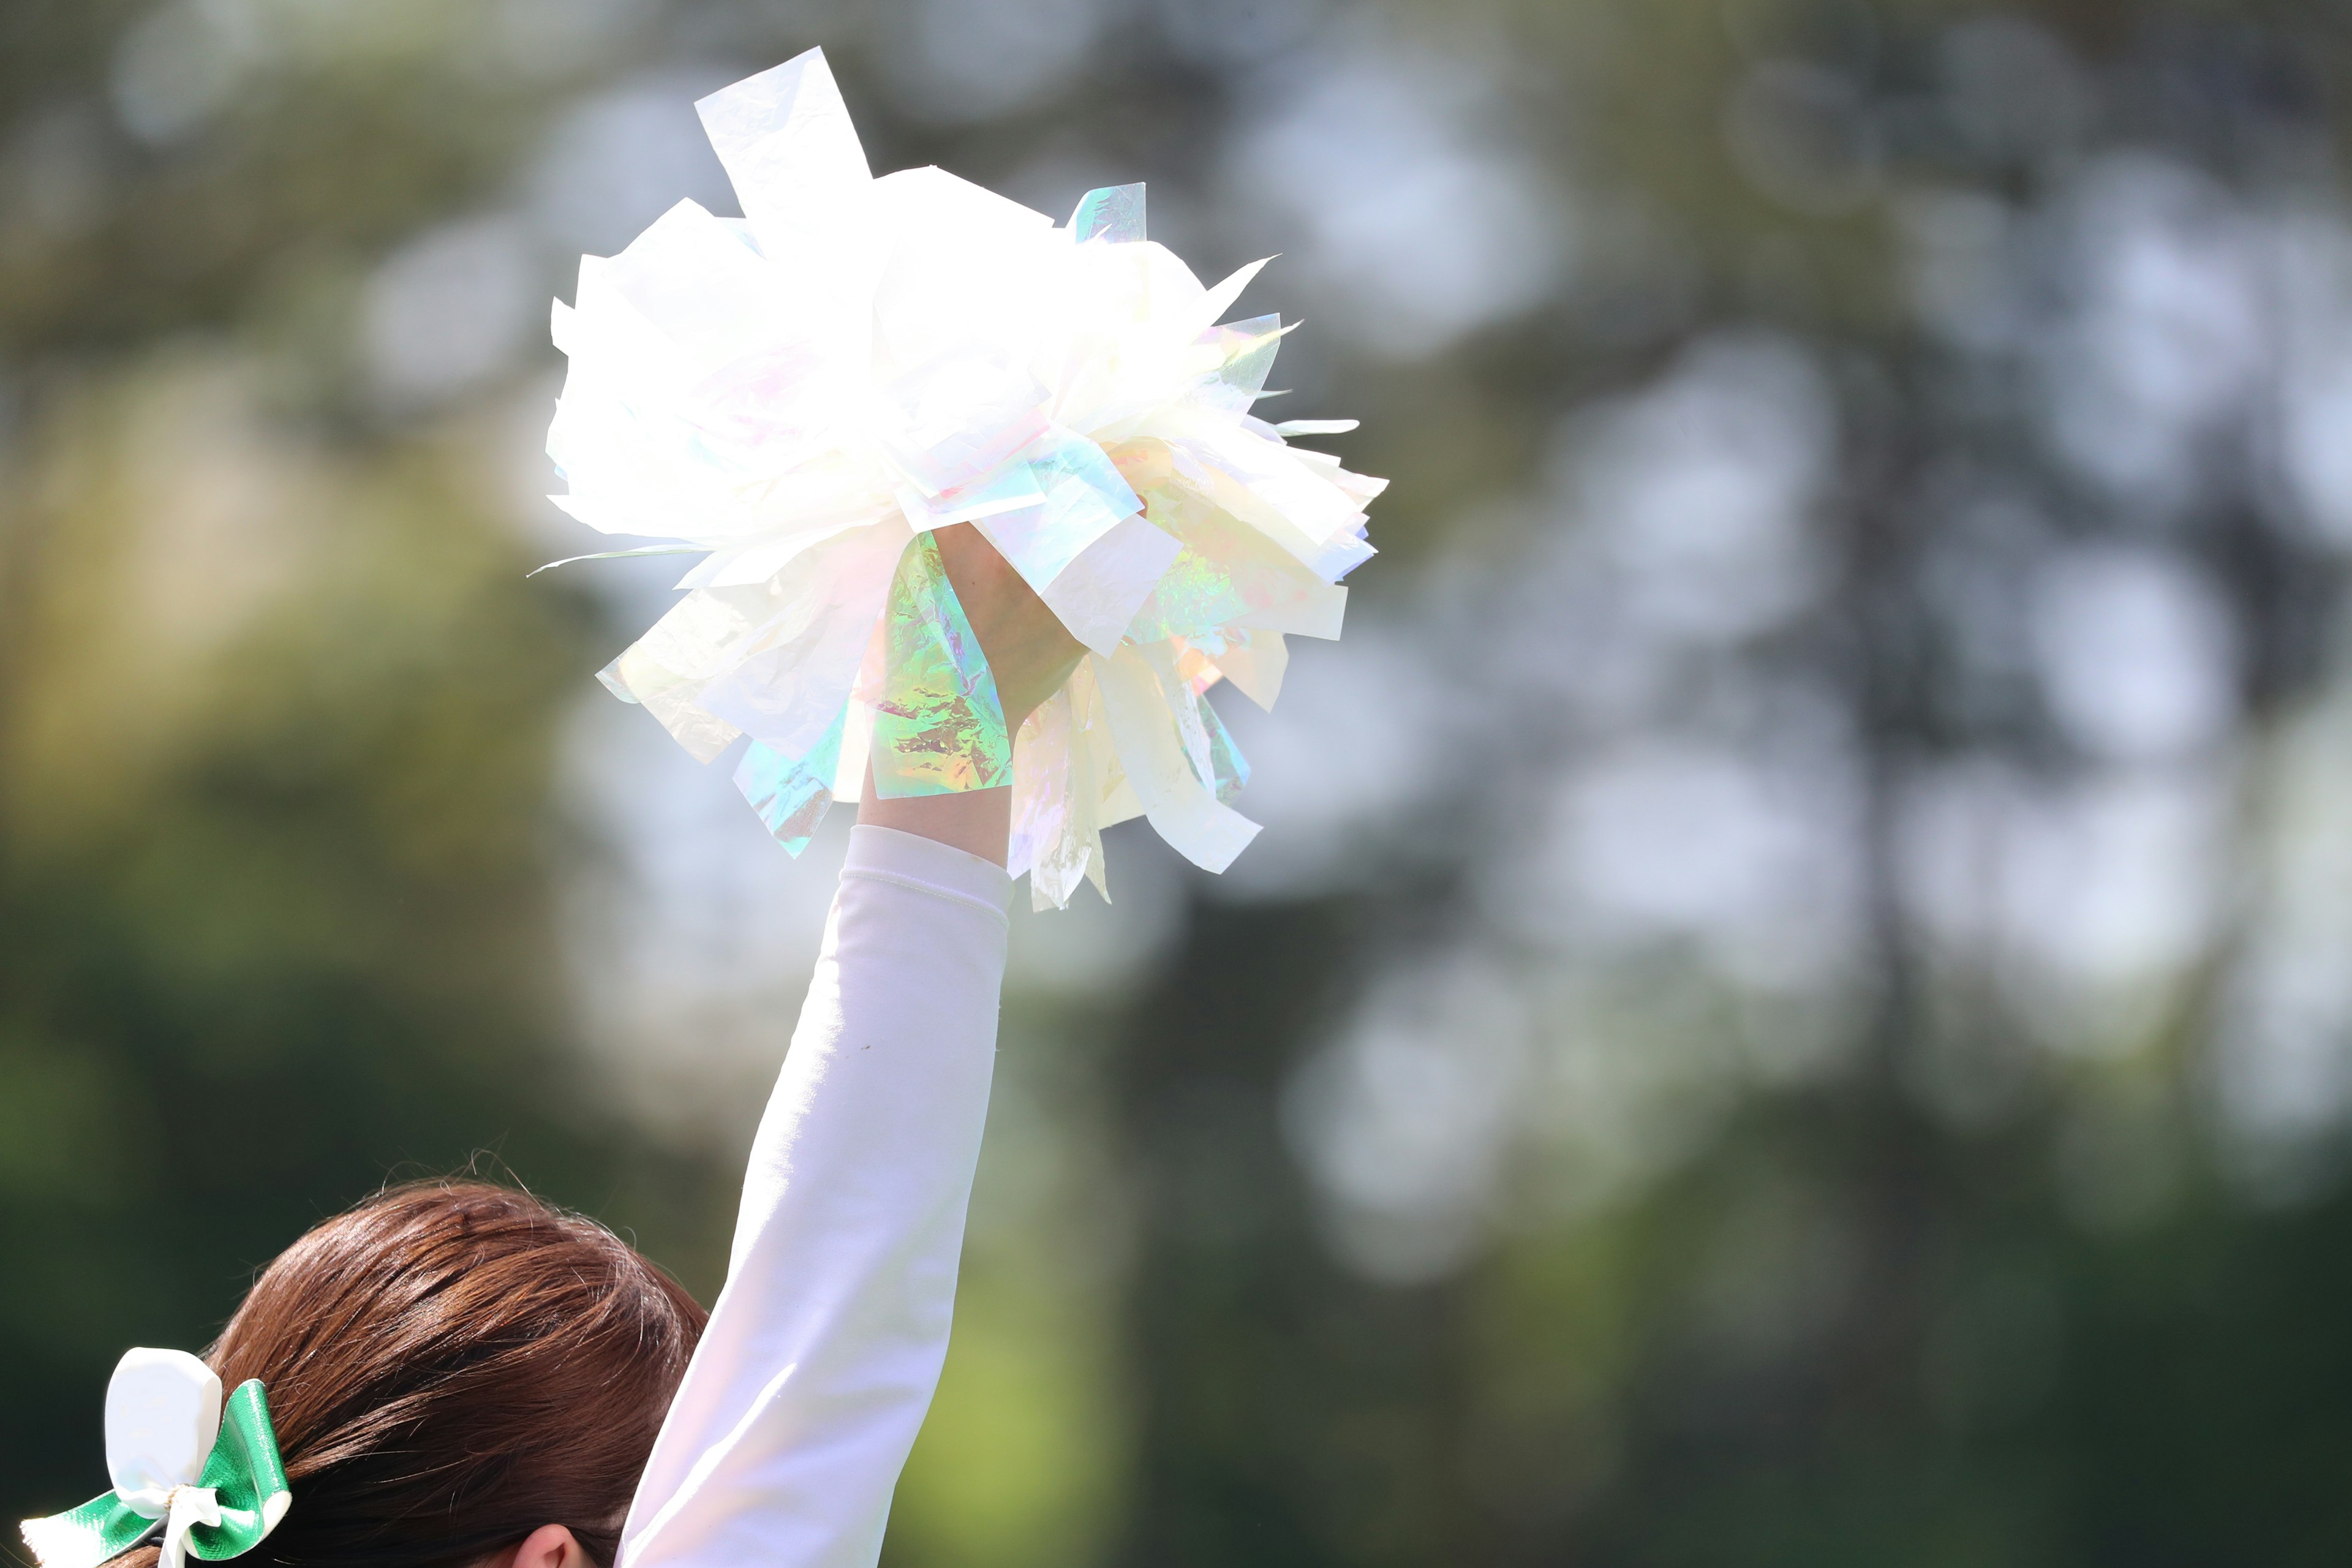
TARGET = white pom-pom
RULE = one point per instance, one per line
(801, 393)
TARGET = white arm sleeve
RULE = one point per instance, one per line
(787, 1436)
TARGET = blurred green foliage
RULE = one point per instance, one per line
(284, 821)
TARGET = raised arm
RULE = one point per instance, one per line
(786, 1439)
(787, 1436)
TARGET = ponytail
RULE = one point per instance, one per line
(451, 1365)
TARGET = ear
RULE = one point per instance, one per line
(549, 1546)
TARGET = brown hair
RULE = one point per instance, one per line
(449, 1366)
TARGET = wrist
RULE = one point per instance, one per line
(978, 821)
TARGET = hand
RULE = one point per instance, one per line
(1029, 652)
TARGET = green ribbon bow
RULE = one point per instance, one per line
(223, 1511)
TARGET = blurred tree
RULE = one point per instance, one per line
(1966, 1270)
(277, 721)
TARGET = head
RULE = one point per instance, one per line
(455, 1372)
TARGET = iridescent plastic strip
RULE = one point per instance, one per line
(792, 797)
(939, 725)
(1114, 213)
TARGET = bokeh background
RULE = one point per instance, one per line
(1795, 1002)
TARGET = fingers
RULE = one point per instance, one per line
(981, 576)
(1029, 651)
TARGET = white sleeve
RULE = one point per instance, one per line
(787, 1436)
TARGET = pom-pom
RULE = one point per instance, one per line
(803, 394)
